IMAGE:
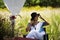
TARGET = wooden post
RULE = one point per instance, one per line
(12, 18)
(45, 37)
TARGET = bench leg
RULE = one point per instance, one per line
(45, 37)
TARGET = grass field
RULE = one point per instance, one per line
(51, 15)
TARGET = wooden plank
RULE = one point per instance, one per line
(20, 38)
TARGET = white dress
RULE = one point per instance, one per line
(35, 33)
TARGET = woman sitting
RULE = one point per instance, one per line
(35, 27)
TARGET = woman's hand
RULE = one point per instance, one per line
(40, 16)
(46, 23)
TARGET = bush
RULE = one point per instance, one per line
(4, 27)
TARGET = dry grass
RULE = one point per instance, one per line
(48, 14)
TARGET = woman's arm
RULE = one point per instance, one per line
(45, 22)
(28, 27)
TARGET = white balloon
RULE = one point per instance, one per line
(14, 6)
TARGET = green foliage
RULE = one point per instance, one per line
(46, 3)
(32, 2)
(53, 29)
(23, 24)
(4, 27)
(2, 4)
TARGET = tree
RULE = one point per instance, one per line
(2, 4)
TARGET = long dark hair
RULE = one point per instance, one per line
(33, 15)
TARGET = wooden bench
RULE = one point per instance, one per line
(20, 38)
(45, 37)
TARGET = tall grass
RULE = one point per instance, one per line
(47, 13)
(21, 30)
(54, 28)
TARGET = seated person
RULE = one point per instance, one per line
(35, 27)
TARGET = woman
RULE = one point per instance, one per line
(35, 30)
(33, 22)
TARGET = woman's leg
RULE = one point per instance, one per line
(35, 34)
(40, 35)
(31, 34)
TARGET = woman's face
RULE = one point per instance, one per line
(36, 19)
